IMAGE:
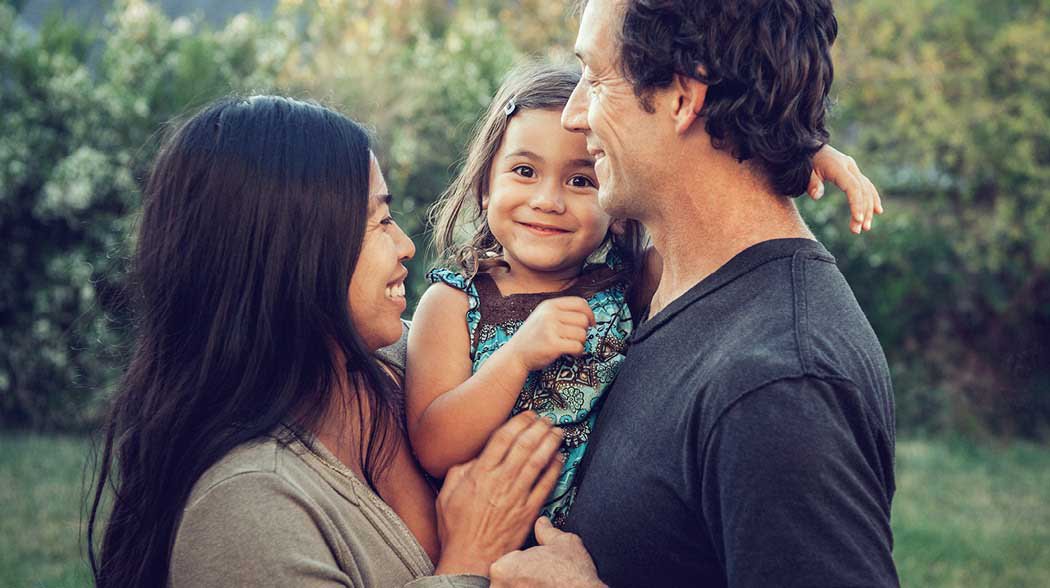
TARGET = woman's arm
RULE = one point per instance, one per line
(252, 529)
(450, 412)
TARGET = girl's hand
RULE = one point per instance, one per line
(831, 165)
(557, 327)
(487, 505)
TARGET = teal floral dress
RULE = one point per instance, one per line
(568, 391)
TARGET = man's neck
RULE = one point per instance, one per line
(713, 217)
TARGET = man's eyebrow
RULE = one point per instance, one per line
(523, 153)
(582, 162)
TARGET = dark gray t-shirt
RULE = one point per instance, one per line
(748, 439)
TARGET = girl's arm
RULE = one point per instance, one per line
(451, 413)
(831, 165)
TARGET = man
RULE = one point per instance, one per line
(748, 440)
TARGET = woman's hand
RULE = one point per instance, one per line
(831, 165)
(487, 505)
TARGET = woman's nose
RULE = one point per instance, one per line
(406, 249)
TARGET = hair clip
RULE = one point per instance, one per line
(510, 107)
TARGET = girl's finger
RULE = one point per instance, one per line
(816, 186)
(875, 192)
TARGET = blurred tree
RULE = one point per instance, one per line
(72, 144)
(947, 105)
(421, 72)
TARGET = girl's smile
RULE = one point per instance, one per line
(542, 204)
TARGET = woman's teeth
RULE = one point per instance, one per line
(397, 291)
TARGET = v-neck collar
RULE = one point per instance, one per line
(741, 264)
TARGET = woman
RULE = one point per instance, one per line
(256, 439)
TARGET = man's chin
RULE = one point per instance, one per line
(612, 202)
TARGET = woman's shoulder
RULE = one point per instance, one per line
(261, 458)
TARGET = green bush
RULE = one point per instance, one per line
(946, 104)
(80, 112)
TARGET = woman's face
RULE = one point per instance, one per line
(377, 288)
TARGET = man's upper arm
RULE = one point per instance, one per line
(794, 490)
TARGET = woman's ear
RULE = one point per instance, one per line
(618, 227)
(484, 202)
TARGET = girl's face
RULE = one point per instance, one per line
(542, 204)
(377, 288)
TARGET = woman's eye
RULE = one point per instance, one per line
(388, 221)
(582, 182)
(524, 171)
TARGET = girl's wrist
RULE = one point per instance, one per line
(509, 364)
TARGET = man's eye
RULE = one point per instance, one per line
(582, 182)
(524, 171)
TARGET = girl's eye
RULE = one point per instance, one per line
(524, 171)
(388, 221)
(582, 182)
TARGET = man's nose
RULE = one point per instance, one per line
(574, 115)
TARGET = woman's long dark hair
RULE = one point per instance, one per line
(253, 219)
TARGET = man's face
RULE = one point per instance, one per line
(624, 139)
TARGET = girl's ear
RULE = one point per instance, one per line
(618, 227)
(484, 202)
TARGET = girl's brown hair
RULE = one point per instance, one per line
(461, 232)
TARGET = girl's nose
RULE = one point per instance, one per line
(548, 199)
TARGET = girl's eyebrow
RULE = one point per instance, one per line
(523, 153)
(579, 162)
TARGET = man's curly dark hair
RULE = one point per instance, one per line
(767, 65)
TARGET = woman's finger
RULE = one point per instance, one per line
(504, 438)
(542, 490)
(541, 457)
(524, 446)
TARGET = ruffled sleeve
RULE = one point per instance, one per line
(463, 284)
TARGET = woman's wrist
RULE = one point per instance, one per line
(452, 564)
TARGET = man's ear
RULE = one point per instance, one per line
(688, 100)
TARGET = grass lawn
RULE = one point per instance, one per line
(964, 515)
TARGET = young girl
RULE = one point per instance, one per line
(542, 293)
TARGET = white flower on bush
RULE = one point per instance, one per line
(73, 183)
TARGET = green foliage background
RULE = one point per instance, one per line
(945, 103)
